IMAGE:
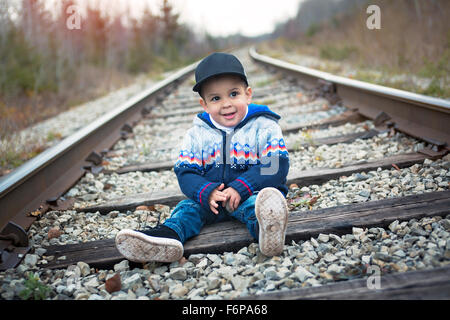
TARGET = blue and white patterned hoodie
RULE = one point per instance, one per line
(256, 156)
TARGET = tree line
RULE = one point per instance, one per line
(38, 52)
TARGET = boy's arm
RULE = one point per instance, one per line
(194, 185)
(272, 169)
(189, 171)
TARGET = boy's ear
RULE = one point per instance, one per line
(249, 93)
(203, 104)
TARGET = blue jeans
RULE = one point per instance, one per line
(188, 218)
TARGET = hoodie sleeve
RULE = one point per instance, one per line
(189, 169)
(272, 167)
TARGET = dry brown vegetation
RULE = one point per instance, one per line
(414, 39)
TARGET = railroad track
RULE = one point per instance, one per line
(369, 188)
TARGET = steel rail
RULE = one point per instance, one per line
(423, 117)
(56, 169)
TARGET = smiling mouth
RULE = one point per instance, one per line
(229, 115)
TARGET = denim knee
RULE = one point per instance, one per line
(245, 213)
(188, 218)
(185, 219)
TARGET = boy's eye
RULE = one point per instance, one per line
(215, 98)
(234, 94)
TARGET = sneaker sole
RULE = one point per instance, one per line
(139, 247)
(272, 213)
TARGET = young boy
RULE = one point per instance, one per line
(233, 164)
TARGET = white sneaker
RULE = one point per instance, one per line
(272, 213)
(140, 247)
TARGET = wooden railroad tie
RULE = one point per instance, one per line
(423, 284)
(231, 236)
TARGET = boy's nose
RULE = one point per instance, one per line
(226, 102)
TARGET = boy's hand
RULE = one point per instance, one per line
(233, 199)
(216, 196)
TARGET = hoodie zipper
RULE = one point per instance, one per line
(224, 154)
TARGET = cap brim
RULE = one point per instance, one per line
(198, 85)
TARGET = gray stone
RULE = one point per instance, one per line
(216, 260)
(287, 262)
(8, 295)
(242, 260)
(69, 290)
(323, 237)
(91, 282)
(160, 270)
(253, 248)
(226, 287)
(307, 246)
(382, 256)
(357, 231)
(336, 238)
(226, 272)
(393, 226)
(360, 177)
(270, 286)
(85, 270)
(84, 295)
(239, 282)
(301, 274)
(323, 248)
(418, 231)
(364, 193)
(180, 291)
(40, 251)
(131, 281)
(22, 268)
(142, 291)
(330, 257)
(314, 242)
(334, 269)
(31, 259)
(366, 259)
(445, 223)
(271, 274)
(214, 283)
(178, 274)
(245, 252)
(203, 263)
(229, 259)
(400, 253)
(122, 266)
(154, 282)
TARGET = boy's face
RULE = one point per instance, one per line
(226, 99)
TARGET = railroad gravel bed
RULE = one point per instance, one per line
(360, 150)
(406, 246)
(403, 246)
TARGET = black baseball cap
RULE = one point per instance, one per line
(216, 64)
